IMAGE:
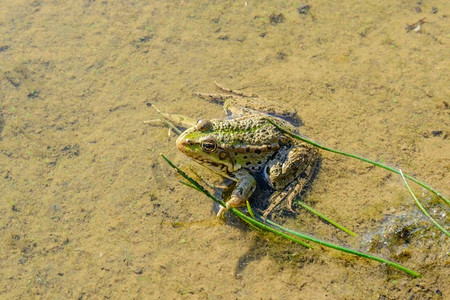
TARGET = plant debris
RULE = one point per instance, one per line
(415, 26)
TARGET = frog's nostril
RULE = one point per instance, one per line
(182, 143)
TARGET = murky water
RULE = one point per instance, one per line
(89, 210)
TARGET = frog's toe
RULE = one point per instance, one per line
(234, 202)
(222, 211)
(289, 200)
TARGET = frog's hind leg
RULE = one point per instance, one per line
(300, 163)
(292, 191)
(278, 197)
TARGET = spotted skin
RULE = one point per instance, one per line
(244, 146)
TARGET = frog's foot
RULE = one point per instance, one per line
(235, 92)
(237, 103)
(288, 193)
(292, 190)
(214, 98)
(222, 211)
(221, 98)
(233, 202)
(174, 122)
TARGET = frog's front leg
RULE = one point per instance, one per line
(245, 186)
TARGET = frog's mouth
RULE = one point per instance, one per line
(187, 146)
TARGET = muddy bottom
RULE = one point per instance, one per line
(90, 210)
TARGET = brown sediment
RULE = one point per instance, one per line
(86, 203)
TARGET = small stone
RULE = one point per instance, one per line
(6, 174)
(303, 10)
(276, 18)
(22, 260)
(436, 132)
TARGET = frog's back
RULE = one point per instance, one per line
(253, 130)
(238, 106)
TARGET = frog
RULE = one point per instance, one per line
(246, 145)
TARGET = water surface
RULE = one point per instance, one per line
(87, 205)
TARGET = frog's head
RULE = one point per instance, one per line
(201, 144)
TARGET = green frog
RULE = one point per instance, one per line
(247, 144)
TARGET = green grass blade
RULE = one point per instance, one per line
(190, 185)
(320, 215)
(425, 212)
(263, 226)
(250, 210)
(343, 249)
(436, 192)
(195, 185)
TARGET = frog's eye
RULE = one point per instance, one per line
(209, 146)
(203, 125)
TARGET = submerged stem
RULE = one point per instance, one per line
(347, 250)
(436, 192)
(274, 226)
(320, 215)
(425, 212)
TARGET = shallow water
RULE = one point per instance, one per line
(88, 206)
